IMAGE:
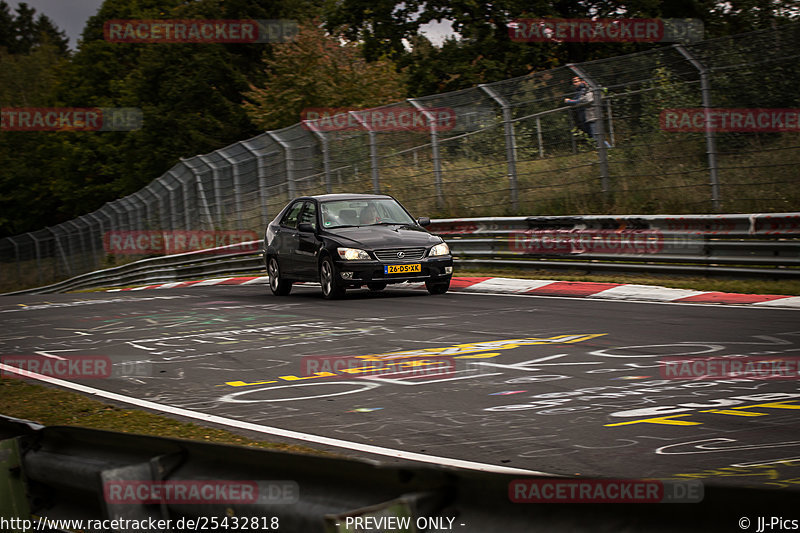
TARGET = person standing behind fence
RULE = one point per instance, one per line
(590, 111)
(581, 88)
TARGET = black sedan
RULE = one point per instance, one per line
(351, 240)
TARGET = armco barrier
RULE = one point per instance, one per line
(62, 472)
(736, 245)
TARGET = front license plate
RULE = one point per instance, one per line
(402, 269)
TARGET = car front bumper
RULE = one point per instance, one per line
(357, 273)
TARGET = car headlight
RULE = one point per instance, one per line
(440, 249)
(352, 254)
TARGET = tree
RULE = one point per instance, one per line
(318, 70)
(22, 32)
(483, 52)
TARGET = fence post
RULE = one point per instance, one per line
(237, 189)
(217, 190)
(38, 258)
(539, 136)
(373, 151)
(81, 242)
(287, 156)
(16, 258)
(60, 251)
(98, 256)
(326, 156)
(175, 214)
(262, 181)
(437, 161)
(711, 142)
(511, 144)
(600, 132)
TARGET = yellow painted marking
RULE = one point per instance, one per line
(478, 356)
(363, 369)
(773, 405)
(243, 384)
(734, 413)
(473, 347)
(472, 351)
(662, 420)
(316, 375)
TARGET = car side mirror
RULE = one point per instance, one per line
(305, 227)
(424, 221)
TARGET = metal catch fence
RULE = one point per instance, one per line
(506, 148)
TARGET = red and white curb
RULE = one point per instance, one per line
(574, 289)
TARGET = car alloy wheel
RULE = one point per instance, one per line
(278, 286)
(331, 288)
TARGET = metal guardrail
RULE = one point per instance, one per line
(62, 472)
(745, 246)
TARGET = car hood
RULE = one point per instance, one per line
(383, 236)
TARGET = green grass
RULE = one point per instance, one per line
(50, 406)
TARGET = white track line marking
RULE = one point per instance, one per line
(327, 441)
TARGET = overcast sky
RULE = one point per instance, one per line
(71, 16)
(68, 15)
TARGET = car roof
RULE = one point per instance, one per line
(345, 196)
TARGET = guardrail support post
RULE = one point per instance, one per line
(711, 142)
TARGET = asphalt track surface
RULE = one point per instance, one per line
(560, 386)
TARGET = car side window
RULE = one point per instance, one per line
(310, 214)
(290, 218)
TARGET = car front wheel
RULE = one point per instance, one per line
(278, 286)
(331, 288)
(437, 288)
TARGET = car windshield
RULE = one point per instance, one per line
(339, 213)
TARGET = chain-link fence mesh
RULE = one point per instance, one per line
(513, 147)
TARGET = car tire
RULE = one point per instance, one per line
(278, 286)
(376, 286)
(437, 288)
(331, 288)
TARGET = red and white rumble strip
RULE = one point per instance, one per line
(574, 289)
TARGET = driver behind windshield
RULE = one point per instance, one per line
(369, 215)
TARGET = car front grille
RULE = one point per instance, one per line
(408, 254)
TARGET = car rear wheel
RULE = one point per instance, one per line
(331, 288)
(376, 286)
(437, 288)
(278, 286)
